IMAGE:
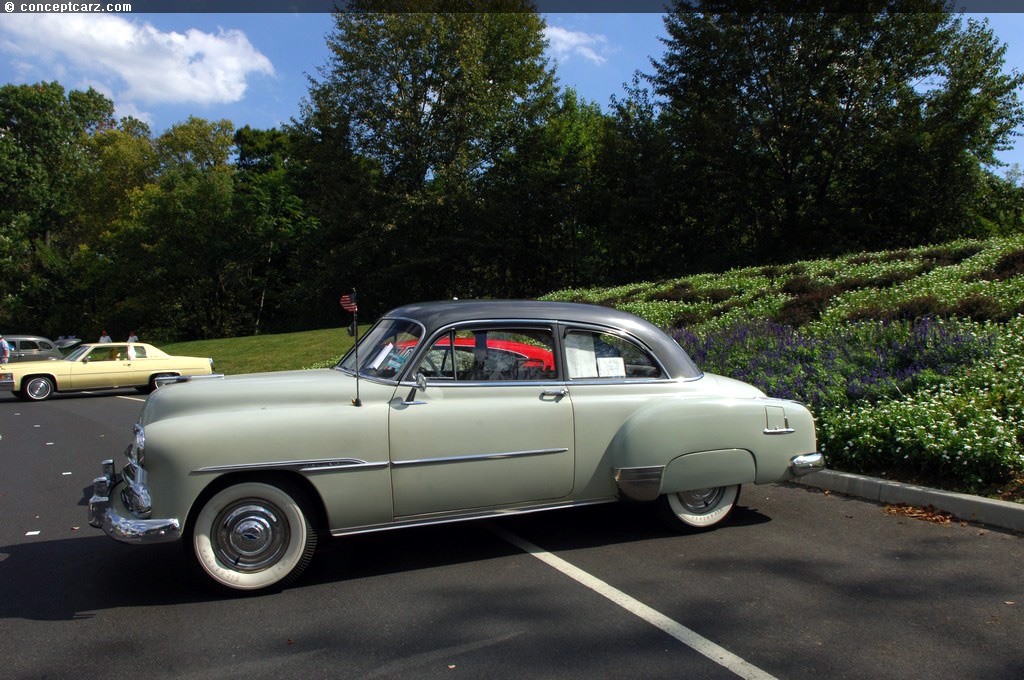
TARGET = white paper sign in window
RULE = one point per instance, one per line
(580, 355)
(611, 367)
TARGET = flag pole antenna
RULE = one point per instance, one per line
(349, 304)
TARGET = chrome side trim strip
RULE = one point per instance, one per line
(478, 456)
(316, 465)
(780, 430)
(465, 517)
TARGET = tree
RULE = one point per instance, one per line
(178, 261)
(830, 131)
(341, 194)
(44, 135)
(637, 227)
(271, 220)
(433, 92)
(431, 96)
(539, 202)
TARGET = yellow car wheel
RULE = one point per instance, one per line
(37, 388)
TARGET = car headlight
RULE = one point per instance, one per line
(137, 451)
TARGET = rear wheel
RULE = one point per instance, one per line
(252, 536)
(699, 508)
(38, 388)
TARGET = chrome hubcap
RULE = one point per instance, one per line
(250, 535)
(39, 389)
(700, 501)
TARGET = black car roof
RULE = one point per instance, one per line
(439, 314)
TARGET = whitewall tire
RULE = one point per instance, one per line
(698, 509)
(252, 536)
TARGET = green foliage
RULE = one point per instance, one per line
(533, 200)
(44, 133)
(424, 114)
(912, 359)
(968, 429)
(432, 95)
(825, 132)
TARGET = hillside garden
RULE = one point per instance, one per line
(912, 360)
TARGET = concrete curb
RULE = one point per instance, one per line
(994, 513)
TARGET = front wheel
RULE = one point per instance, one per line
(698, 509)
(38, 388)
(252, 536)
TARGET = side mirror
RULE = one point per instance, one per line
(420, 386)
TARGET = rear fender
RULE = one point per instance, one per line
(694, 443)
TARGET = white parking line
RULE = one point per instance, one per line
(121, 396)
(680, 632)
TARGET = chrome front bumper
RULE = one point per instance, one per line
(111, 513)
(6, 381)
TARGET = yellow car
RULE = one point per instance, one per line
(97, 367)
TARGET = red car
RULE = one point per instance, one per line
(478, 353)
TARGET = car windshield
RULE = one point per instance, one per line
(77, 352)
(383, 351)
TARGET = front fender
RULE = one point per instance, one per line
(341, 450)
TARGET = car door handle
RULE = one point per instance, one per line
(557, 394)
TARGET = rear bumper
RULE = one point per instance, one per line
(807, 463)
(646, 483)
(108, 511)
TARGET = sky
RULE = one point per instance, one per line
(253, 69)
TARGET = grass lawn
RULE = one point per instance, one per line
(260, 353)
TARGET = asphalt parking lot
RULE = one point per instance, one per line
(799, 584)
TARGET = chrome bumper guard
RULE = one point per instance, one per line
(173, 379)
(807, 463)
(134, 497)
(640, 483)
(6, 382)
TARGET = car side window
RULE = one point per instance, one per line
(26, 345)
(491, 354)
(140, 351)
(103, 354)
(591, 354)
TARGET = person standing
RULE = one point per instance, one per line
(105, 338)
(132, 337)
(5, 351)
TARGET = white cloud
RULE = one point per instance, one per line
(137, 62)
(564, 43)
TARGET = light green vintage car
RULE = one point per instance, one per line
(444, 411)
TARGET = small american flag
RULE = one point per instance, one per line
(348, 303)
